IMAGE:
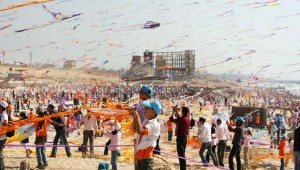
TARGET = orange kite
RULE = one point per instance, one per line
(24, 4)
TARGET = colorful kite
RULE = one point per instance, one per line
(104, 62)
(74, 28)
(228, 59)
(25, 4)
(4, 27)
(59, 15)
(151, 25)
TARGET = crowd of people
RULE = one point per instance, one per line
(214, 136)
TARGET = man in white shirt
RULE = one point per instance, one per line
(205, 137)
(221, 133)
(90, 125)
(3, 122)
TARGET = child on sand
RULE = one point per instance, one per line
(170, 126)
(247, 139)
(115, 137)
(281, 148)
(291, 143)
(147, 134)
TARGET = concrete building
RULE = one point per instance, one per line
(69, 64)
(176, 64)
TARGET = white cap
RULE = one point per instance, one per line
(117, 126)
(110, 121)
(272, 121)
(3, 104)
(250, 129)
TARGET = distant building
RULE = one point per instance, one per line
(18, 63)
(161, 66)
(69, 64)
(175, 64)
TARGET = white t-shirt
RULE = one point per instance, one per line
(221, 132)
(205, 133)
(153, 134)
(3, 118)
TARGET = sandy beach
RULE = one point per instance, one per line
(167, 160)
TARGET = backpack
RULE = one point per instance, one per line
(192, 124)
(103, 166)
(24, 165)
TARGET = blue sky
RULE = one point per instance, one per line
(253, 35)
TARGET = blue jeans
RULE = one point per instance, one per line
(41, 156)
(207, 146)
(297, 160)
(114, 160)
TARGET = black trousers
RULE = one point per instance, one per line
(145, 164)
(235, 151)
(61, 134)
(220, 151)
(88, 135)
(181, 145)
(106, 147)
(157, 147)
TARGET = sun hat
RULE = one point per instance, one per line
(147, 90)
(154, 105)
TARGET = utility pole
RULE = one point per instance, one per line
(30, 54)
